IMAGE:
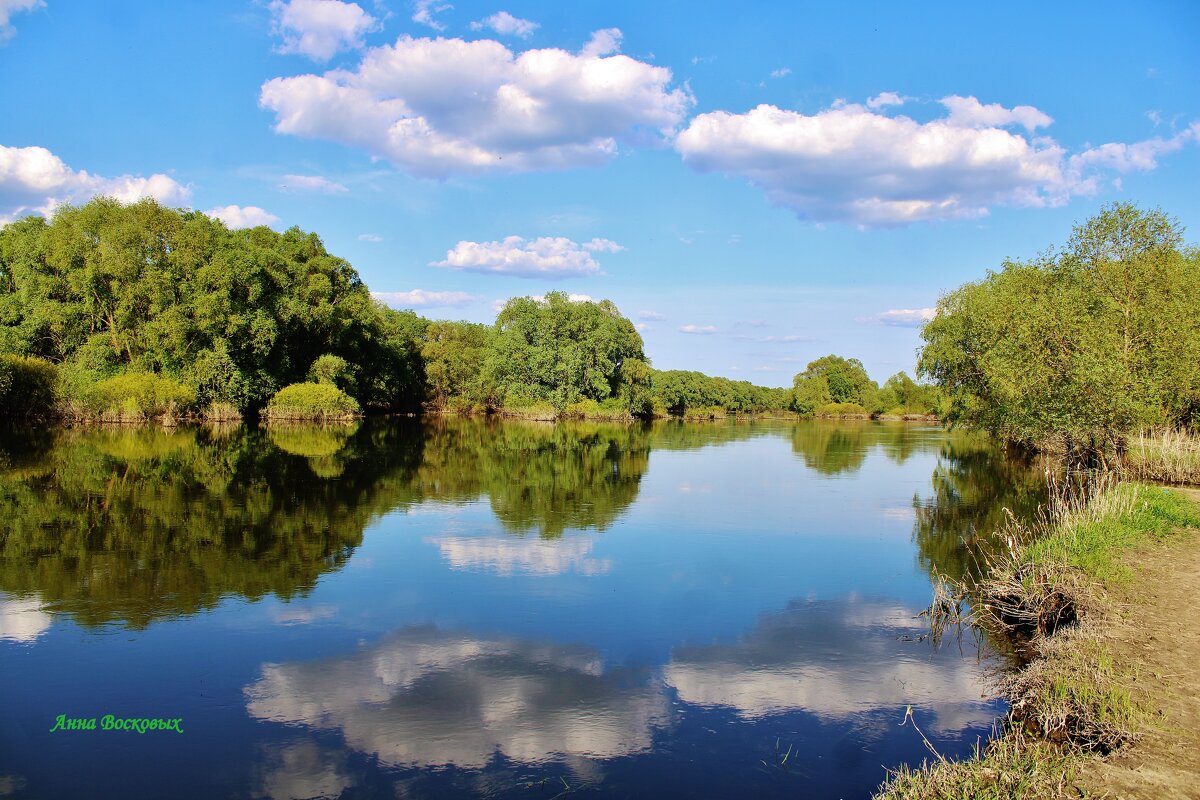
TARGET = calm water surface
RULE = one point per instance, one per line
(462, 609)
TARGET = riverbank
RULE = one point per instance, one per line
(1107, 703)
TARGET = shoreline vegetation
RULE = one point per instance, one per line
(125, 313)
(1062, 590)
(1090, 356)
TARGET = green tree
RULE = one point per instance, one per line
(1084, 344)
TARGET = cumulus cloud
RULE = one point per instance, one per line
(651, 316)
(10, 7)
(243, 216)
(420, 298)
(437, 107)
(35, 181)
(548, 257)
(907, 317)
(971, 113)
(506, 24)
(370, 237)
(884, 99)
(311, 183)
(849, 163)
(701, 329)
(782, 72)
(526, 701)
(425, 12)
(319, 29)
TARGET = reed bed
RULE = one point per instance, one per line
(1164, 456)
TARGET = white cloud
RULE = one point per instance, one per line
(319, 28)
(1141, 156)
(311, 183)
(437, 107)
(370, 237)
(969, 112)
(884, 99)
(602, 246)
(10, 7)
(506, 24)
(547, 257)
(782, 72)
(700, 329)
(642, 326)
(789, 338)
(652, 316)
(35, 181)
(603, 42)
(907, 317)
(420, 298)
(426, 11)
(850, 164)
(243, 216)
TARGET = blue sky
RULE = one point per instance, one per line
(756, 185)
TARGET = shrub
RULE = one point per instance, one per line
(842, 410)
(26, 386)
(332, 370)
(311, 401)
(137, 395)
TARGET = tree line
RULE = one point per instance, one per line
(126, 311)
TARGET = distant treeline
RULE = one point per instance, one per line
(1081, 346)
(113, 312)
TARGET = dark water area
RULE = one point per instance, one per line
(457, 608)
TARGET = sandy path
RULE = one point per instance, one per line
(1160, 632)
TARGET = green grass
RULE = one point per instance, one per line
(1092, 539)
(1073, 699)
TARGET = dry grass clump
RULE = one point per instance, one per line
(1166, 456)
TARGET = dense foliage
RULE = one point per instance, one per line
(136, 311)
(1087, 343)
(107, 289)
(833, 386)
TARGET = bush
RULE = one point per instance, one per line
(842, 410)
(332, 370)
(26, 386)
(312, 401)
(136, 395)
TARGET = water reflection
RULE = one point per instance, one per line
(474, 605)
(428, 697)
(972, 485)
(22, 619)
(136, 525)
(521, 556)
(833, 659)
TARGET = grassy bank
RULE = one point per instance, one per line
(1059, 590)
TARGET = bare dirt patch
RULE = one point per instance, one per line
(1156, 636)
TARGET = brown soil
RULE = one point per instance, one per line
(1157, 636)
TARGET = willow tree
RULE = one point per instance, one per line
(1086, 343)
(556, 351)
